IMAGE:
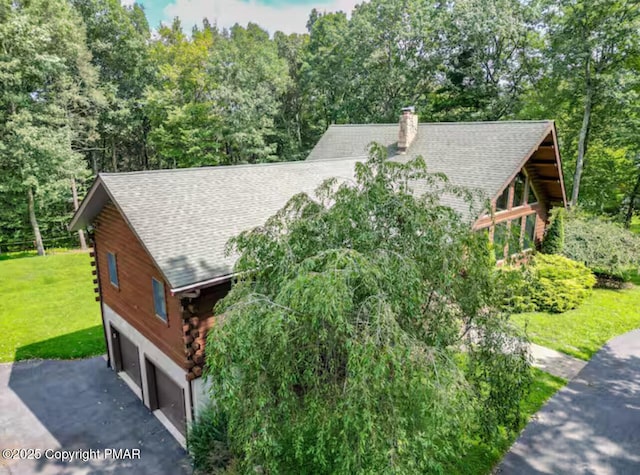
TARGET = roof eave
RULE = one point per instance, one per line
(91, 205)
(202, 284)
(559, 162)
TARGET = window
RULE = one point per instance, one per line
(499, 240)
(503, 200)
(159, 304)
(514, 236)
(530, 232)
(533, 196)
(518, 190)
(113, 268)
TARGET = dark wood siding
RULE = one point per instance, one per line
(133, 298)
(198, 319)
(207, 300)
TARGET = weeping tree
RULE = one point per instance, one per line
(361, 334)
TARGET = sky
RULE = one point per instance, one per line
(289, 16)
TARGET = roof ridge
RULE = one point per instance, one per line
(470, 122)
(224, 167)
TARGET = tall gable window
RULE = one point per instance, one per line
(503, 200)
(113, 268)
(159, 303)
(519, 190)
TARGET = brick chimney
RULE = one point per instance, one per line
(408, 128)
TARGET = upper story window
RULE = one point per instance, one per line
(533, 196)
(519, 189)
(159, 302)
(113, 268)
(502, 202)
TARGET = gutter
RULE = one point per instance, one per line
(203, 284)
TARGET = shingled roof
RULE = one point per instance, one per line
(185, 217)
(478, 155)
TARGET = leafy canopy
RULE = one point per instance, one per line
(341, 346)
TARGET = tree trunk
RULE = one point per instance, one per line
(584, 134)
(94, 163)
(632, 199)
(114, 157)
(74, 192)
(34, 223)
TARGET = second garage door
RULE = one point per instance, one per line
(167, 396)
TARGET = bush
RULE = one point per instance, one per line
(550, 283)
(208, 444)
(514, 287)
(554, 238)
(560, 284)
(605, 247)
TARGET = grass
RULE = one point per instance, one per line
(48, 308)
(583, 331)
(5, 256)
(483, 456)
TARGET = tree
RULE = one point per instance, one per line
(325, 72)
(118, 39)
(216, 96)
(348, 321)
(490, 59)
(590, 43)
(252, 79)
(183, 116)
(293, 121)
(394, 58)
(46, 103)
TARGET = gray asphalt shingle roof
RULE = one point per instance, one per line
(477, 155)
(185, 217)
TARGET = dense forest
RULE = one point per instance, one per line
(88, 86)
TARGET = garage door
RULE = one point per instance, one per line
(125, 354)
(166, 396)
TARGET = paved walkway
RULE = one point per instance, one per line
(79, 405)
(591, 426)
(556, 363)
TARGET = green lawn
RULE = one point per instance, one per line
(483, 457)
(48, 308)
(583, 331)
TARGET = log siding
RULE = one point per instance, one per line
(133, 298)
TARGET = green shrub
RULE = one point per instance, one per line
(514, 288)
(549, 283)
(603, 246)
(208, 444)
(560, 284)
(554, 238)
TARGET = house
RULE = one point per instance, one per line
(159, 236)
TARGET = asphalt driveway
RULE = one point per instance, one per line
(592, 426)
(76, 406)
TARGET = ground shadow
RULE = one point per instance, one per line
(81, 404)
(78, 344)
(590, 426)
